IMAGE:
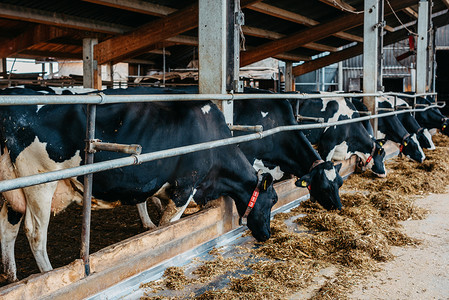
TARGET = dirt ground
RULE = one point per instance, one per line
(420, 272)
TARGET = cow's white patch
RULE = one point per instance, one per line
(330, 174)
(206, 109)
(415, 139)
(34, 159)
(276, 173)
(429, 138)
(343, 108)
(39, 107)
(399, 101)
(380, 135)
(8, 234)
(181, 209)
(340, 151)
(264, 114)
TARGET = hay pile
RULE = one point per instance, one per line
(353, 239)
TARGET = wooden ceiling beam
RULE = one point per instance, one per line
(139, 40)
(339, 4)
(14, 12)
(297, 18)
(35, 35)
(271, 35)
(138, 6)
(313, 34)
(344, 54)
(292, 57)
(409, 11)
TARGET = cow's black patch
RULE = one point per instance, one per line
(13, 216)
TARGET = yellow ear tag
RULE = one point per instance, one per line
(444, 126)
(381, 144)
(405, 144)
(265, 186)
(303, 183)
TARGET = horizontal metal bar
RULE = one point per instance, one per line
(21, 182)
(113, 147)
(101, 98)
(256, 128)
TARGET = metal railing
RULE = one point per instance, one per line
(90, 167)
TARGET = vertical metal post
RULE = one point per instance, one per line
(288, 77)
(87, 195)
(323, 79)
(212, 51)
(421, 47)
(371, 55)
(340, 76)
(90, 80)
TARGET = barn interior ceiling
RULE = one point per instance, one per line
(139, 30)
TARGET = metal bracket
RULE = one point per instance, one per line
(238, 86)
(239, 18)
(380, 24)
(255, 128)
(300, 118)
(95, 145)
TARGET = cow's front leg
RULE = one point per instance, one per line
(144, 216)
(37, 218)
(9, 228)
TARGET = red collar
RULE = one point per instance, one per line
(251, 203)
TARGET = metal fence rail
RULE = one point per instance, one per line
(100, 98)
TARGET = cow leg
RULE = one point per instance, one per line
(144, 217)
(9, 228)
(172, 212)
(37, 218)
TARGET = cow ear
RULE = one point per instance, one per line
(304, 181)
(338, 167)
(266, 181)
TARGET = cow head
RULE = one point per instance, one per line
(445, 126)
(425, 139)
(323, 182)
(258, 218)
(410, 147)
(377, 165)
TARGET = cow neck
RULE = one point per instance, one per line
(251, 203)
(401, 147)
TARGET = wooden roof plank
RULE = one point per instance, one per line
(57, 19)
(138, 6)
(35, 35)
(310, 35)
(297, 18)
(137, 41)
(272, 35)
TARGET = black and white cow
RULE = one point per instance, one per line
(392, 129)
(341, 142)
(39, 139)
(431, 118)
(287, 152)
(411, 125)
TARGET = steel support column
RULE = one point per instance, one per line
(371, 55)
(421, 47)
(212, 51)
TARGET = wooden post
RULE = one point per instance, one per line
(288, 77)
(3, 68)
(91, 71)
